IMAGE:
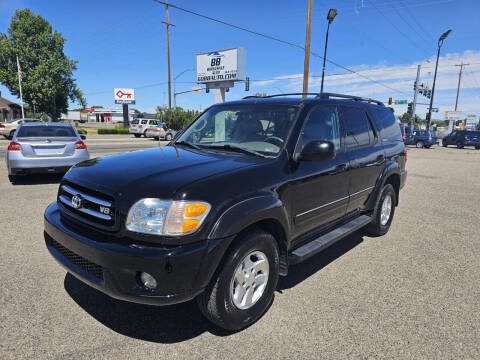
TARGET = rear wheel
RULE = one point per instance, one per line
(459, 145)
(168, 137)
(419, 144)
(383, 213)
(243, 287)
(444, 143)
(137, 135)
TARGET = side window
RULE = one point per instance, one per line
(144, 122)
(359, 131)
(321, 125)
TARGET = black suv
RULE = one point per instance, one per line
(462, 138)
(247, 189)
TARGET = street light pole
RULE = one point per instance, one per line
(331, 15)
(174, 80)
(440, 43)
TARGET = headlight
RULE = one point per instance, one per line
(160, 217)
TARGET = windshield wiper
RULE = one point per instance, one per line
(186, 143)
(235, 148)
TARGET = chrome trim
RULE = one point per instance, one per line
(361, 191)
(86, 197)
(322, 206)
(333, 202)
(68, 202)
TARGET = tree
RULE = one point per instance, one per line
(406, 118)
(47, 73)
(176, 118)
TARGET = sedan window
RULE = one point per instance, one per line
(46, 131)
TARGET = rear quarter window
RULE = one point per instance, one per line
(387, 124)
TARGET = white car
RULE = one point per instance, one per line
(139, 127)
(44, 148)
(161, 131)
(8, 128)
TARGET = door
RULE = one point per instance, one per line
(320, 188)
(365, 154)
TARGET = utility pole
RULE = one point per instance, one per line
(167, 23)
(459, 81)
(414, 104)
(306, 64)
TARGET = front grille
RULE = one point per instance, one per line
(87, 205)
(88, 266)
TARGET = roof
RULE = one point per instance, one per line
(7, 104)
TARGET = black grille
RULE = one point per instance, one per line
(88, 266)
(96, 215)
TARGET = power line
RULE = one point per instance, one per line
(278, 40)
(417, 22)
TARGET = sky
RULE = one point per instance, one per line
(122, 43)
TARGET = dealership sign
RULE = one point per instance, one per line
(221, 65)
(124, 96)
(453, 115)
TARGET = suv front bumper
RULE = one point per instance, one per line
(181, 272)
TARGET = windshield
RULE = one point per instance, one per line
(46, 131)
(257, 128)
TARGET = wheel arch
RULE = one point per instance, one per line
(390, 175)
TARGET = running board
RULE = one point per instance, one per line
(321, 243)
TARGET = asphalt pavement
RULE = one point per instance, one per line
(411, 294)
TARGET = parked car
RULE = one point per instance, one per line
(139, 127)
(161, 131)
(220, 218)
(462, 138)
(42, 147)
(421, 139)
(8, 128)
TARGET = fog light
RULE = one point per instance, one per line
(148, 280)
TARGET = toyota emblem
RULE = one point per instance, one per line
(77, 201)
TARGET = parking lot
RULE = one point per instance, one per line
(413, 293)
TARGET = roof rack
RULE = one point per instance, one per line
(321, 96)
(352, 97)
(276, 95)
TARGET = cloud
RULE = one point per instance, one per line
(400, 78)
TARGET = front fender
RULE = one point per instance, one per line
(249, 211)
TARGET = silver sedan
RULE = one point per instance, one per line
(44, 148)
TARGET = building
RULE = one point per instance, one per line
(100, 115)
(9, 110)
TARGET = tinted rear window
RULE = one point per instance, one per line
(472, 133)
(385, 120)
(134, 122)
(358, 127)
(46, 131)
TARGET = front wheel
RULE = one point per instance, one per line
(243, 287)
(136, 135)
(419, 144)
(383, 213)
(444, 143)
(459, 145)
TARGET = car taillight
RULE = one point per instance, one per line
(140, 126)
(405, 154)
(404, 136)
(14, 146)
(80, 145)
(156, 130)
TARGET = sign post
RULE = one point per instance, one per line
(125, 97)
(220, 69)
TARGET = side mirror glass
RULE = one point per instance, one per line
(318, 151)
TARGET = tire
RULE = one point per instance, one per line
(218, 303)
(137, 135)
(477, 147)
(444, 144)
(428, 146)
(145, 134)
(378, 226)
(157, 138)
(459, 145)
(168, 137)
(419, 144)
(13, 179)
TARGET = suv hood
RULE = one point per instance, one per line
(157, 172)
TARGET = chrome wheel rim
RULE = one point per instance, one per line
(386, 210)
(249, 280)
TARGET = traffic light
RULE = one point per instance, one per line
(429, 93)
(247, 84)
(410, 108)
(415, 86)
(389, 101)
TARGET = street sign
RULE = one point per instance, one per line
(222, 65)
(400, 102)
(124, 96)
(453, 115)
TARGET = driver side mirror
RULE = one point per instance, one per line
(177, 134)
(318, 151)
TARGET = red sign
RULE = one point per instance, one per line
(91, 110)
(121, 94)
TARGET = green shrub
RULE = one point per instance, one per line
(82, 131)
(112, 131)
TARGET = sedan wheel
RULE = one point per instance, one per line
(419, 144)
(168, 137)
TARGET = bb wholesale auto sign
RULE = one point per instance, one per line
(124, 96)
(221, 65)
